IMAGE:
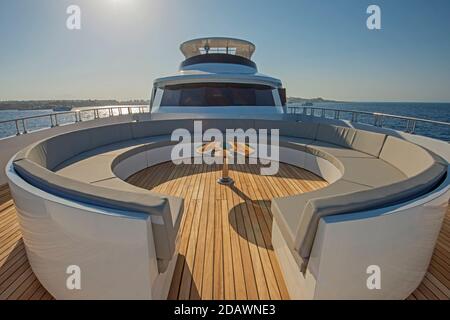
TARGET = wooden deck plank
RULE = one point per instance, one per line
(228, 274)
(250, 239)
(217, 253)
(22, 288)
(185, 232)
(439, 285)
(240, 285)
(35, 286)
(181, 260)
(249, 274)
(38, 294)
(265, 221)
(186, 280)
(201, 272)
(254, 211)
(256, 240)
(434, 289)
(17, 280)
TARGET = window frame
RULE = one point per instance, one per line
(264, 92)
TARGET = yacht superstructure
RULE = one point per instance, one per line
(218, 76)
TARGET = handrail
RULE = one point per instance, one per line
(55, 117)
(379, 118)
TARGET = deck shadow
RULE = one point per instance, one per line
(17, 252)
(15, 260)
(248, 220)
(183, 275)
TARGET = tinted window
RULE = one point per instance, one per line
(217, 94)
(263, 96)
(243, 96)
(171, 97)
(192, 97)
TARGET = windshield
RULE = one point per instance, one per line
(217, 95)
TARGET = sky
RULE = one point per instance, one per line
(318, 48)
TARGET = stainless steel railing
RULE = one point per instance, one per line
(406, 124)
(21, 125)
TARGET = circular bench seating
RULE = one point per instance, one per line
(376, 171)
(372, 171)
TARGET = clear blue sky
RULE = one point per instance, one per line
(317, 47)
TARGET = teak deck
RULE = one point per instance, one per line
(225, 247)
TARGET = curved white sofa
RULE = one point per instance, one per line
(383, 207)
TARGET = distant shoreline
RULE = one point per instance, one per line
(312, 100)
(295, 100)
(51, 104)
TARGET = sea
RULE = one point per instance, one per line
(430, 111)
(40, 120)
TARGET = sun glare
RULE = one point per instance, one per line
(120, 1)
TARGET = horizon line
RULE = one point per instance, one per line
(329, 100)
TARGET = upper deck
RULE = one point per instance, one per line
(218, 45)
(218, 60)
